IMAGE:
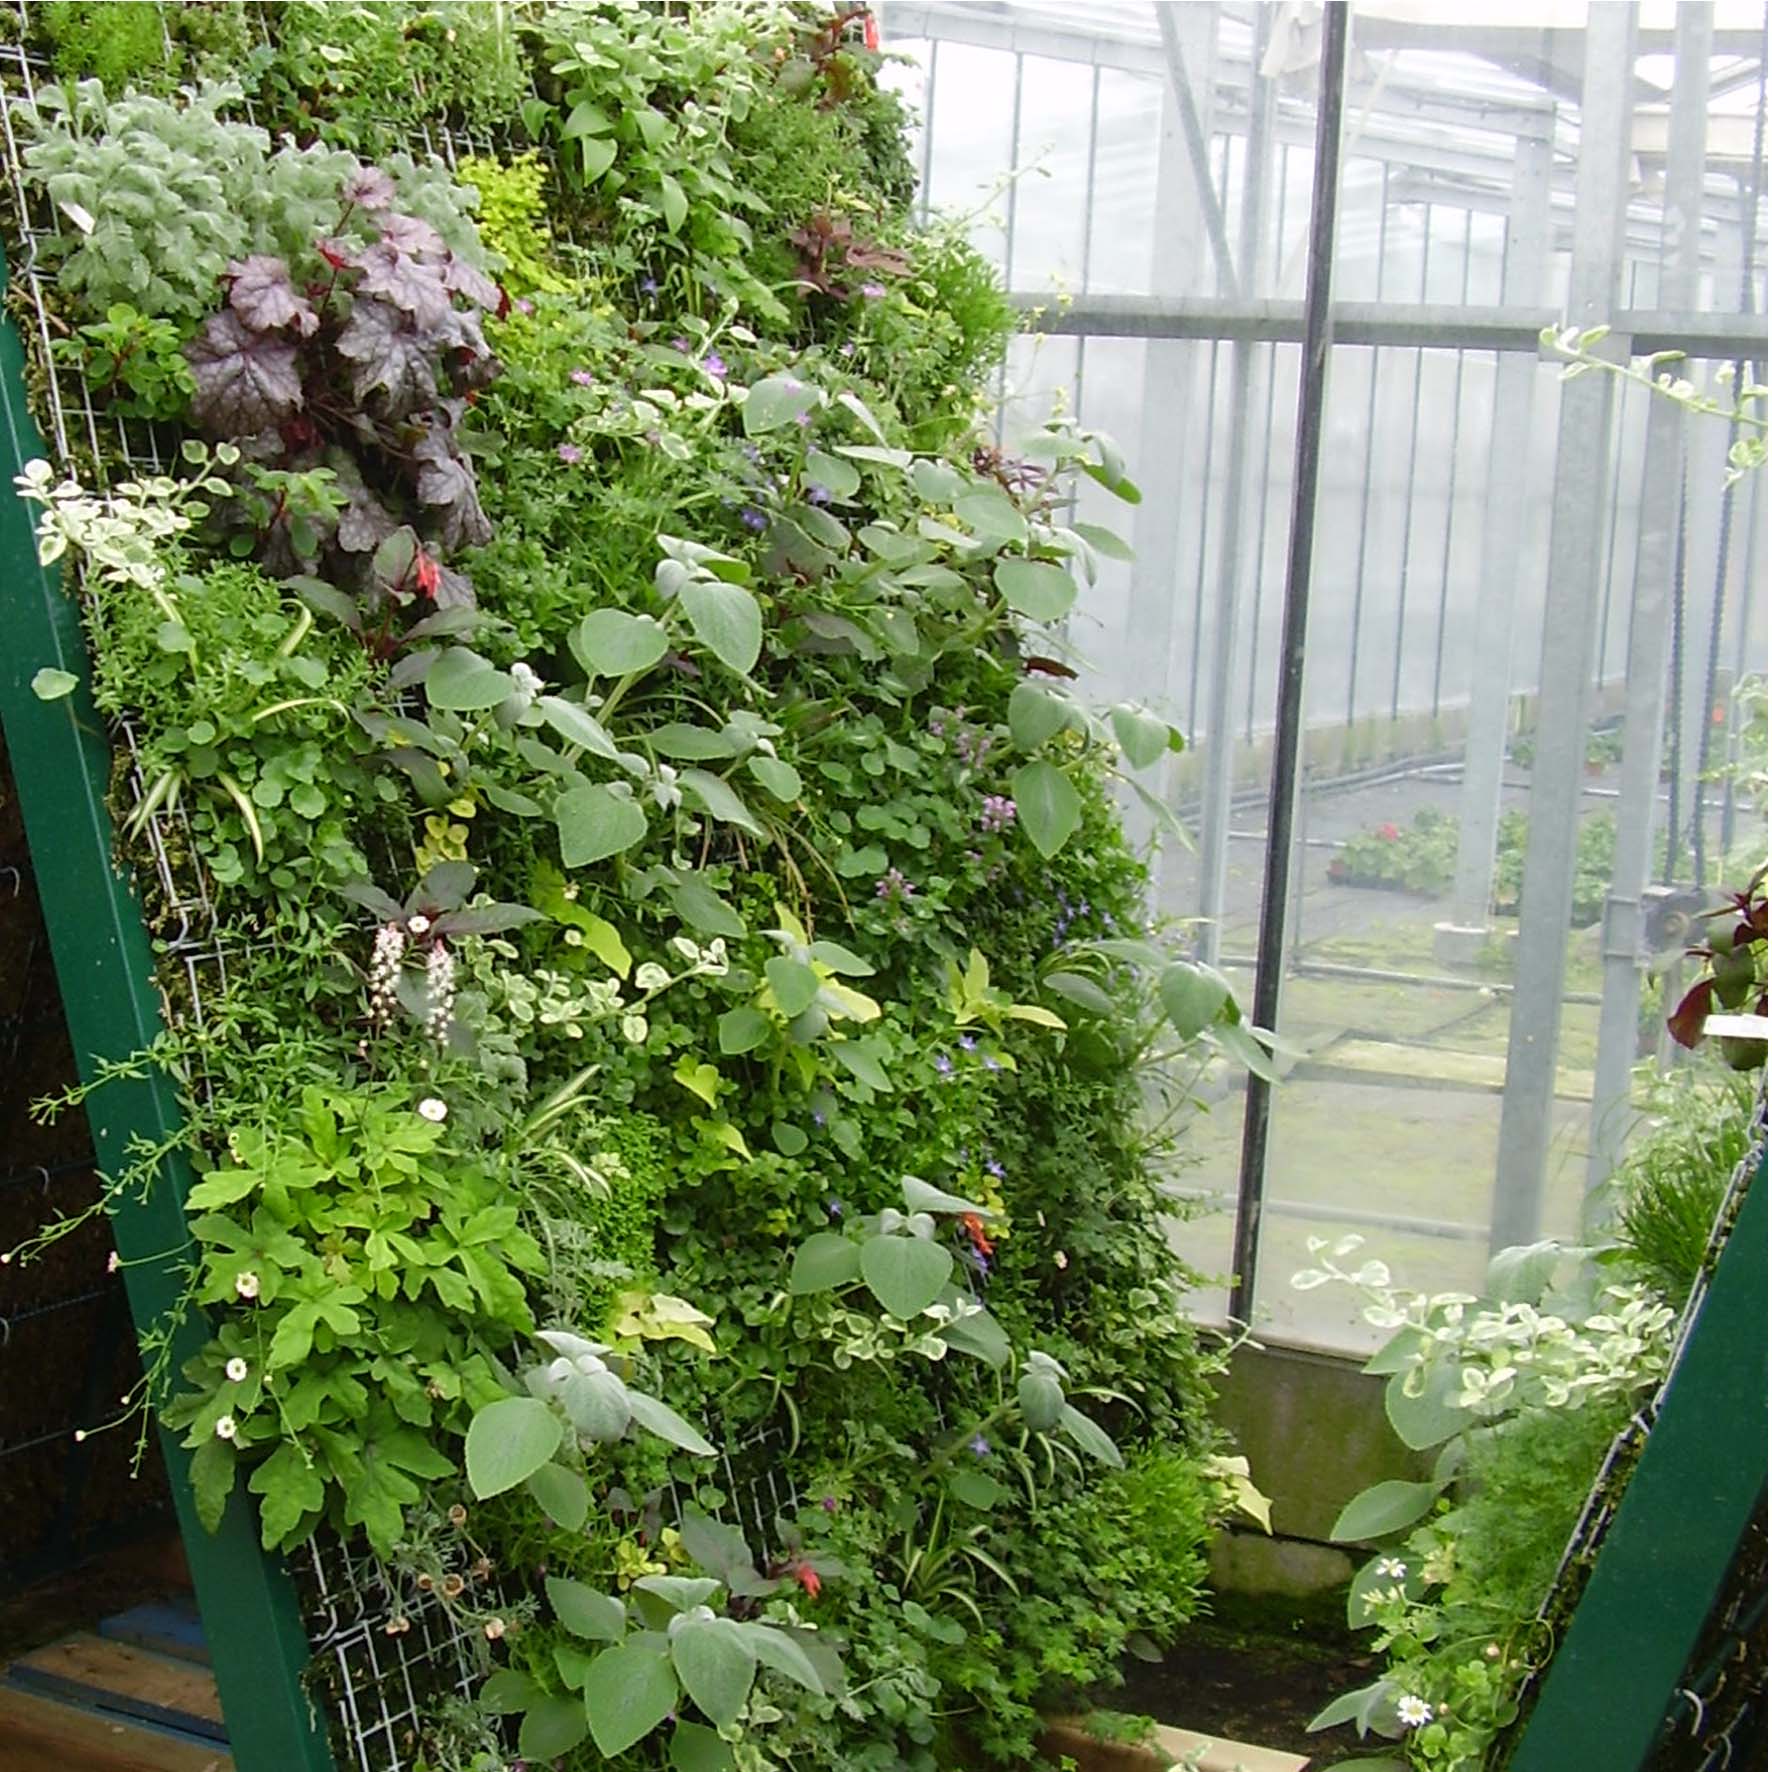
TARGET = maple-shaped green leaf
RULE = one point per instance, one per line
(291, 1489)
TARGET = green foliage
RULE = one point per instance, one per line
(1672, 1180)
(708, 951)
(138, 362)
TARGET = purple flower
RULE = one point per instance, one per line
(803, 419)
(750, 452)
(817, 495)
(997, 813)
(714, 364)
(581, 378)
(829, 1504)
(991, 1064)
(873, 291)
(847, 351)
(980, 1260)
(968, 1043)
(818, 1117)
(649, 286)
(524, 305)
(834, 1207)
(679, 344)
(752, 518)
(993, 1167)
(979, 1446)
(571, 454)
(943, 1065)
(893, 885)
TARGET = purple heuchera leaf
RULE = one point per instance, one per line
(405, 281)
(390, 356)
(469, 280)
(406, 233)
(365, 522)
(247, 380)
(370, 188)
(446, 482)
(265, 298)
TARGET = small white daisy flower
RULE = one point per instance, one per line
(433, 1110)
(246, 1284)
(1412, 1712)
(237, 1369)
(226, 1428)
(418, 923)
(1392, 1567)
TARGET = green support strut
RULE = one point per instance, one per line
(1670, 1547)
(61, 764)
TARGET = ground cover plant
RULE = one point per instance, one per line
(689, 993)
(1422, 856)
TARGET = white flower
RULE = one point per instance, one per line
(237, 1370)
(1061, 1260)
(1413, 1711)
(651, 977)
(112, 1262)
(1393, 1567)
(418, 923)
(246, 1284)
(433, 1110)
(226, 1428)
(528, 684)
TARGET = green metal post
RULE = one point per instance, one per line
(61, 764)
(1669, 1548)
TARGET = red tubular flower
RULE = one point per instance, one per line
(807, 1576)
(429, 577)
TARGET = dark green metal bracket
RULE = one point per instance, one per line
(61, 765)
(1670, 1546)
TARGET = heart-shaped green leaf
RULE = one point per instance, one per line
(1047, 807)
(1036, 588)
(629, 1691)
(727, 620)
(825, 1261)
(716, 1665)
(613, 643)
(595, 822)
(906, 1274)
(508, 1442)
(586, 1612)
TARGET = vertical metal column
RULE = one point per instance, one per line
(1651, 620)
(1215, 822)
(1168, 411)
(1313, 378)
(1570, 624)
(1526, 261)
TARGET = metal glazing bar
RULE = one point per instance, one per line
(1227, 612)
(1373, 364)
(1089, 175)
(928, 126)
(1289, 713)
(1011, 205)
(1754, 574)
(1267, 480)
(1445, 325)
(1570, 623)
(1451, 486)
(1427, 243)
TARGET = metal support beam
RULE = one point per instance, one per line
(1651, 619)
(1215, 822)
(1313, 394)
(1447, 326)
(1570, 625)
(1199, 150)
(1485, 743)
(62, 768)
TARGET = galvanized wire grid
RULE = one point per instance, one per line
(380, 1686)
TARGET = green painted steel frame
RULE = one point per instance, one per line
(1669, 1548)
(61, 765)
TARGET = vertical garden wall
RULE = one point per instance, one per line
(656, 1016)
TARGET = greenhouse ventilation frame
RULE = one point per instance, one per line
(1634, 250)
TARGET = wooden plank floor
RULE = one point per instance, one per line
(98, 1704)
(37, 1734)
